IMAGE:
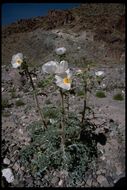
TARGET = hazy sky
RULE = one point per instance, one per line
(12, 12)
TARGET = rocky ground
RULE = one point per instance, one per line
(110, 113)
(93, 34)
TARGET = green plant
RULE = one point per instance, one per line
(45, 83)
(51, 112)
(100, 94)
(6, 114)
(13, 94)
(118, 97)
(5, 103)
(44, 152)
(19, 103)
(80, 93)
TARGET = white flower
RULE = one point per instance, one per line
(7, 173)
(99, 73)
(65, 80)
(60, 51)
(54, 67)
(50, 67)
(17, 60)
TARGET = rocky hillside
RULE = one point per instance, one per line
(100, 25)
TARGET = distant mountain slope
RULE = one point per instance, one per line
(101, 23)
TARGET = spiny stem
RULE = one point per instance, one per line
(68, 104)
(84, 108)
(62, 126)
(36, 99)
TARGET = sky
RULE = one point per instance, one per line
(12, 12)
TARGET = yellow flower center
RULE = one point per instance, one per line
(18, 61)
(66, 80)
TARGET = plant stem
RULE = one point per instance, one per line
(84, 108)
(36, 99)
(68, 104)
(62, 126)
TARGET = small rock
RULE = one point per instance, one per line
(98, 172)
(21, 131)
(6, 161)
(110, 180)
(16, 167)
(55, 180)
(7, 173)
(118, 169)
(101, 179)
(105, 183)
(103, 171)
(102, 157)
(60, 182)
(89, 182)
(22, 168)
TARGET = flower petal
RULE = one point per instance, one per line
(69, 73)
(15, 65)
(64, 86)
(50, 67)
(62, 67)
(60, 51)
(58, 79)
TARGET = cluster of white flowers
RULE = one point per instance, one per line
(63, 73)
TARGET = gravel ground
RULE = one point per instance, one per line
(110, 165)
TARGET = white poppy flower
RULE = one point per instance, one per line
(99, 73)
(54, 67)
(50, 67)
(60, 51)
(17, 60)
(64, 81)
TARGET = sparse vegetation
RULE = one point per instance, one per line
(80, 93)
(19, 103)
(5, 103)
(100, 94)
(6, 114)
(118, 97)
(45, 83)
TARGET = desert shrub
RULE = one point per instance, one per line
(100, 94)
(51, 112)
(118, 97)
(6, 114)
(5, 103)
(80, 93)
(13, 95)
(19, 103)
(46, 82)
